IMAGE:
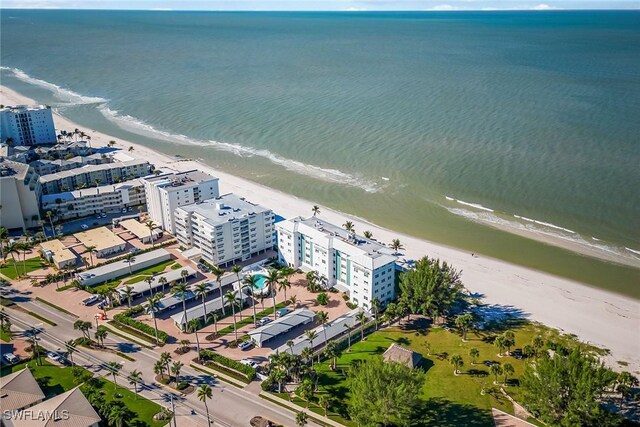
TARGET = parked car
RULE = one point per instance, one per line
(204, 268)
(245, 345)
(11, 358)
(91, 300)
(84, 226)
(249, 362)
(264, 321)
(282, 312)
(54, 356)
(103, 215)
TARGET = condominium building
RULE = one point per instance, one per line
(169, 191)
(365, 269)
(226, 229)
(47, 167)
(27, 125)
(91, 200)
(20, 191)
(90, 175)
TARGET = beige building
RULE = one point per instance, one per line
(19, 195)
(104, 240)
(57, 253)
(88, 201)
(87, 176)
(19, 390)
(141, 231)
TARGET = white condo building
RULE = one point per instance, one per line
(27, 125)
(361, 267)
(20, 193)
(169, 191)
(226, 229)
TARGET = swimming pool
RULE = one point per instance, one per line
(261, 281)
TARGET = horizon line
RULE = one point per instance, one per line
(353, 11)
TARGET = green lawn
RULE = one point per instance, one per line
(447, 400)
(4, 336)
(32, 264)
(55, 380)
(138, 276)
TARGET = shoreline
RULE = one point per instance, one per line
(600, 317)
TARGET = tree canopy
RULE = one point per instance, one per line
(431, 288)
(567, 390)
(383, 393)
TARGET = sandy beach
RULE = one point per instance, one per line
(595, 316)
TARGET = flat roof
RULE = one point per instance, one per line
(282, 325)
(171, 276)
(333, 329)
(90, 191)
(138, 229)
(108, 269)
(180, 179)
(174, 299)
(90, 168)
(225, 208)
(59, 251)
(102, 238)
(197, 312)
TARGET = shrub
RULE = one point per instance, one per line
(345, 297)
(267, 385)
(182, 385)
(322, 298)
(142, 327)
(351, 305)
(248, 371)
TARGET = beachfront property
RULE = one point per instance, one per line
(46, 166)
(363, 268)
(226, 229)
(198, 311)
(27, 125)
(120, 268)
(172, 277)
(20, 192)
(141, 231)
(20, 390)
(57, 253)
(262, 335)
(91, 200)
(103, 240)
(90, 175)
(169, 191)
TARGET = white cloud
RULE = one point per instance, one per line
(355, 9)
(543, 6)
(444, 7)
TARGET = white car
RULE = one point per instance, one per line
(103, 215)
(249, 363)
(245, 345)
(84, 226)
(54, 356)
(11, 358)
(264, 321)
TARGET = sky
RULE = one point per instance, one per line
(323, 5)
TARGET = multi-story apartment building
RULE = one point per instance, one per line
(169, 191)
(47, 167)
(226, 229)
(365, 269)
(91, 200)
(20, 194)
(90, 175)
(25, 125)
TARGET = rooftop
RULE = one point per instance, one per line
(282, 325)
(102, 238)
(90, 191)
(402, 355)
(141, 231)
(89, 169)
(171, 276)
(18, 390)
(225, 208)
(23, 108)
(15, 169)
(140, 259)
(180, 179)
(59, 250)
(197, 312)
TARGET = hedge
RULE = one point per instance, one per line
(142, 327)
(248, 371)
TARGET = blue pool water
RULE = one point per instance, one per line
(261, 281)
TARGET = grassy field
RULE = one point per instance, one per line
(4, 336)
(56, 380)
(447, 399)
(138, 276)
(32, 264)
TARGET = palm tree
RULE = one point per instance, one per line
(508, 370)
(100, 335)
(205, 393)
(293, 300)
(349, 227)
(499, 342)
(272, 281)
(162, 281)
(284, 285)
(496, 370)
(290, 345)
(474, 353)
(333, 352)
(231, 299)
(50, 215)
(117, 414)
(307, 354)
(324, 403)
(71, 348)
(165, 358)
(218, 272)
(12, 249)
(213, 317)
(301, 419)
(135, 378)
(200, 291)
(114, 369)
(129, 259)
(193, 326)
(127, 291)
(348, 328)
(457, 362)
(158, 368)
(316, 210)
(150, 225)
(3, 318)
(24, 247)
(362, 318)
(181, 290)
(153, 304)
(396, 245)
(4, 234)
(323, 318)
(175, 370)
(251, 282)
(184, 274)
(375, 304)
(367, 234)
(237, 269)
(538, 344)
(462, 323)
(311, 335)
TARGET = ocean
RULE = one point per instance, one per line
(467, 128)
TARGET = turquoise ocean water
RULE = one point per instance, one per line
(434, 124)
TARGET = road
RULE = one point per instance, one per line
(229, 406)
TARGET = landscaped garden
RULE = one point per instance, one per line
(31, 264)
